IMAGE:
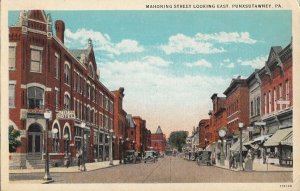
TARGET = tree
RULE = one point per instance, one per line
(13, 139)
(177, 139)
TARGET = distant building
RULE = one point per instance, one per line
(203, 126)
(158, 140)
(120, 123)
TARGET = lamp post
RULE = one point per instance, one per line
(121, 141)
(241, 125)
(83, 147)
(47, 116)
(110, 137)
(133, 146)
(222, 134)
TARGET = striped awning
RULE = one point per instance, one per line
(288, 140)
(279, 135)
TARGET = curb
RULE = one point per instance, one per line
(252, 170)
(66, 171)
(48, 181)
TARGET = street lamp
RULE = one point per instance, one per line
(83, 147)
(222, 134)
(110, 136)
(133, 144)
(121, 141)
(241, 125)
(47, 116)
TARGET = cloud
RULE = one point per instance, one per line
(224, 37)
(159, 96)
(101, 42)
(226, 63)
(189, 45)
(199, 63)
(230, 65)
(204, 43)
(257, 62)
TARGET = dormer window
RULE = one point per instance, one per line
(92, 71)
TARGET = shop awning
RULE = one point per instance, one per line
(236, 145)
(262, 138)
(278, 136)
(288, 140)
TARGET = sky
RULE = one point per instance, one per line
(171, 62)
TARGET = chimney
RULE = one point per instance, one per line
(60, 30)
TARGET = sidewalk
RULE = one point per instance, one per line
(89, 167)
(258, 167)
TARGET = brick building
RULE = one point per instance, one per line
(120, 123)
(237, 104)
(219, 115)
(203, 126)
(47, 76)
(277, 103)
(158, 140)
(130, 131)
(140, 126)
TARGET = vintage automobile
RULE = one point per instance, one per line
(150, 156)
(132, 157)
(204, 158)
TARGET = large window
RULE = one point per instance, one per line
(251, 108)
(258, 105)
(56, 66)
(266, 103)
(67, 74)
(287, 89)
(270, 102)
(274, 99)
(280, 95)
(12, 95)
(67, 102)
(36, 61)
(56, 99)
(12, 58)
(35, 97)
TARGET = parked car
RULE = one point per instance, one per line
(204, 158)
(132, 157)
(150, 156)
(161, 154)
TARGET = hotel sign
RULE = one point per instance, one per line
(65, 114)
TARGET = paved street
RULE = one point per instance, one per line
(167, 170)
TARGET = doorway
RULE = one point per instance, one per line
(35, 140)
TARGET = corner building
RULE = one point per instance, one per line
(47, 76)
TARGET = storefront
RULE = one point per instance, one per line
(276, 152)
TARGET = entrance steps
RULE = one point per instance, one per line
(35, 162)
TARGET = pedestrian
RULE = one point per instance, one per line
(79, 156)
(231, 160)
(68, 160)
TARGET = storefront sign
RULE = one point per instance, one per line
(260, 123)
(65, 114)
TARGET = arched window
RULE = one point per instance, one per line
(67, 73)
(35, 97)
(67, 103)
